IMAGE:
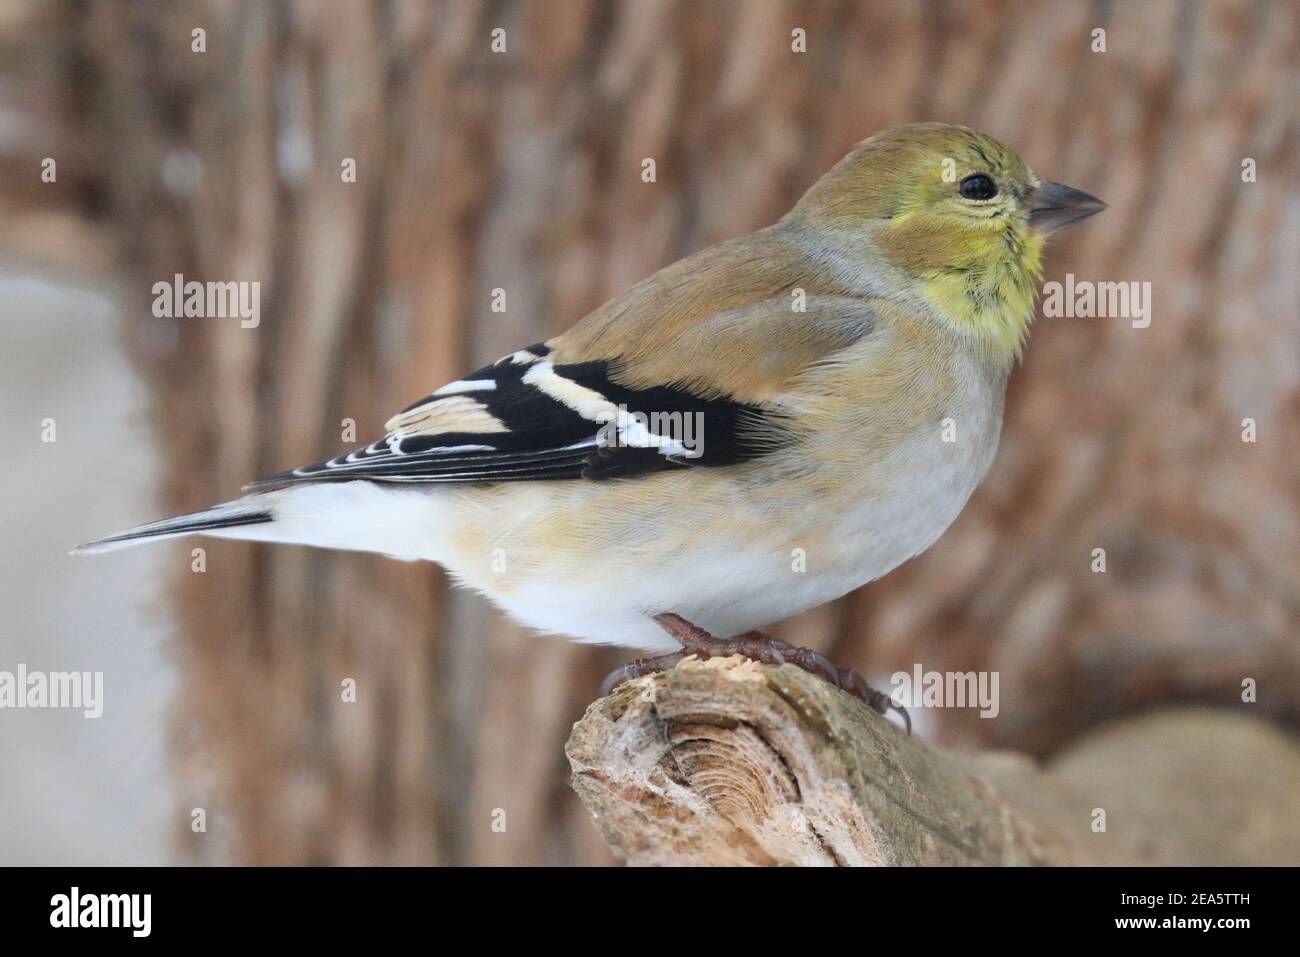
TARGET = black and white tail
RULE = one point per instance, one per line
(230, 515)
(358, 516)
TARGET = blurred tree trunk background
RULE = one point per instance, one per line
(521, 170)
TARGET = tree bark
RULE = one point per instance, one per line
(727, 762)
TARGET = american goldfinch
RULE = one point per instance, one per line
(752, 431)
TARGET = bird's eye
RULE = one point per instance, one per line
(978, 186)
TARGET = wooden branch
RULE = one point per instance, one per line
(730, 762)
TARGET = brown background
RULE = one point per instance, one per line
(522, 171)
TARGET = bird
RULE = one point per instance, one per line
(752, 431)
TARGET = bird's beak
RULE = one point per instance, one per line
(1058, 206)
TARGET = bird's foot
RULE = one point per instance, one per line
(758, 647)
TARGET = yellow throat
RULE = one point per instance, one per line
(981, 278)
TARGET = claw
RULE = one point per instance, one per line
(639, 669)
(821, 666)
(907, 718)
(616, 678)
(758, 647)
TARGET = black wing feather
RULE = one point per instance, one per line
(543, 438)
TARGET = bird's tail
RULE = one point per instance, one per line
(359, 516)
(230, 515)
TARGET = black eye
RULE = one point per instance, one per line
(978, 186)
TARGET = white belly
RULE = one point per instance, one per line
(761, 561)
(729, 550)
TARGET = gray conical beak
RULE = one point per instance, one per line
(1058, 206)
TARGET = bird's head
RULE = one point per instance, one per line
(953, 217)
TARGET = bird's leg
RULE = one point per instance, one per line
(758, 647)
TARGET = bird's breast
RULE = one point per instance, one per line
(894, 478)
(737, 548)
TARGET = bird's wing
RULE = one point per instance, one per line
(683, 370)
